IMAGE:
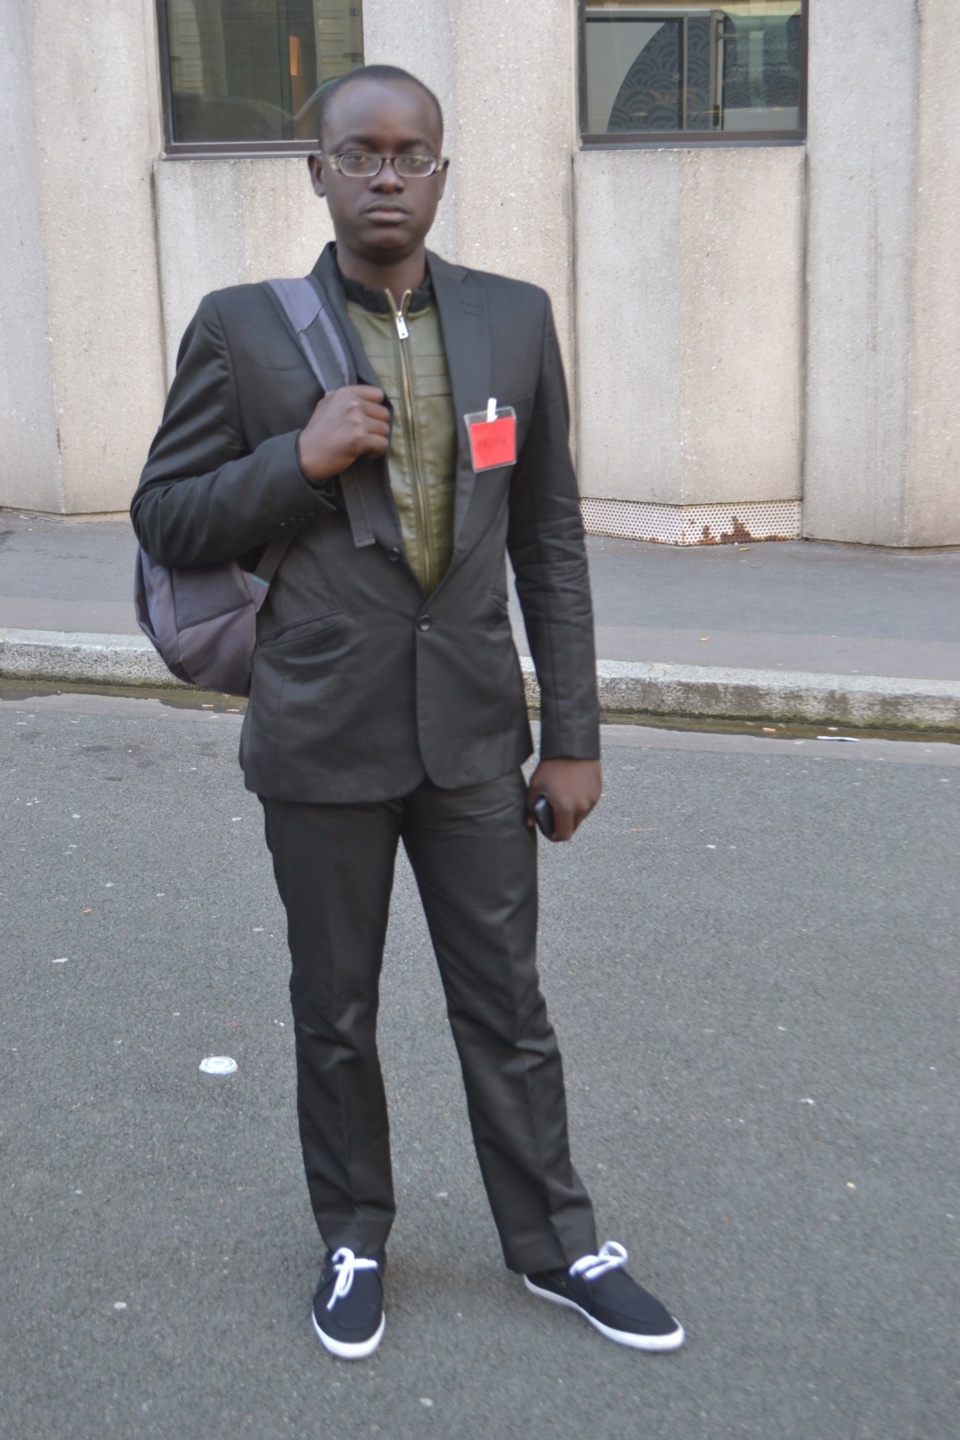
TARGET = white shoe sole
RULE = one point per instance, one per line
(653, 1344)
(345, 1351)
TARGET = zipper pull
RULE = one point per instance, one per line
(402, 330)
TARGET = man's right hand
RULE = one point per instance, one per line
(348, 422)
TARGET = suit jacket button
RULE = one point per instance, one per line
(394, 554)
(424, 622)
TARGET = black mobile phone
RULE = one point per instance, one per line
(543, 814)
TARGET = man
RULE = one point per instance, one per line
(387, 702)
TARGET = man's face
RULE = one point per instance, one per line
(382, 219)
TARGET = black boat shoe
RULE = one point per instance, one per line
(613, 1303)
(348, 1306)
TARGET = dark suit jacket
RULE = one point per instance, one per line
(363, 684)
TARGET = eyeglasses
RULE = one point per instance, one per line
(362, 165)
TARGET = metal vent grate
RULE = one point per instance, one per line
(693, 524)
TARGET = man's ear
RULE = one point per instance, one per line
(315, 166)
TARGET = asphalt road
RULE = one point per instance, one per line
(750, 954)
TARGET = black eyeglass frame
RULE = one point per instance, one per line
(440, 162)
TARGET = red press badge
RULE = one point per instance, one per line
(493, 436)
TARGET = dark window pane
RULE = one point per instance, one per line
(760, 71)
(650, 94)
(679, 66)
(248, 70)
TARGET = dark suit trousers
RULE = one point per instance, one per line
(475, 865)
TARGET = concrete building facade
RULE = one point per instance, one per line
(762, 339)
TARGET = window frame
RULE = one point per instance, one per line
(683, 139)
(212, 149)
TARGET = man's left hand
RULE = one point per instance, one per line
(573, 788)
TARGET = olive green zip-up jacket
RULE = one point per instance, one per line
(405, 348)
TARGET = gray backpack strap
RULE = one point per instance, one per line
(258, 581)
(302, 306)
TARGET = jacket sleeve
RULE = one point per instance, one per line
(548, 554)
(204, 497)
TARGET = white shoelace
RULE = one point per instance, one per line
(612, 1256)
(346, 1265)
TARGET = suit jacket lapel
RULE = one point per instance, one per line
(466, 336)
(327, 273)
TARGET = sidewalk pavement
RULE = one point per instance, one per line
(797, 632)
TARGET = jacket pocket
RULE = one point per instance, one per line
(299, 632)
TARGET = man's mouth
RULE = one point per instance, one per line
(387, 212)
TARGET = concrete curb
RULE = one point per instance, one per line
(697, 691)
(713, 692)
(83, 659)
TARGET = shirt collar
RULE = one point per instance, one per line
(373, 298)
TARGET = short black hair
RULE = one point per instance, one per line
(370, 72)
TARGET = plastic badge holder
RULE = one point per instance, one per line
(493, 436)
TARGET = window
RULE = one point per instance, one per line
(686, 73)
(242, 76)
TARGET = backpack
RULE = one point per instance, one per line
(203, 620)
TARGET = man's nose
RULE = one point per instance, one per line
(387, 178)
